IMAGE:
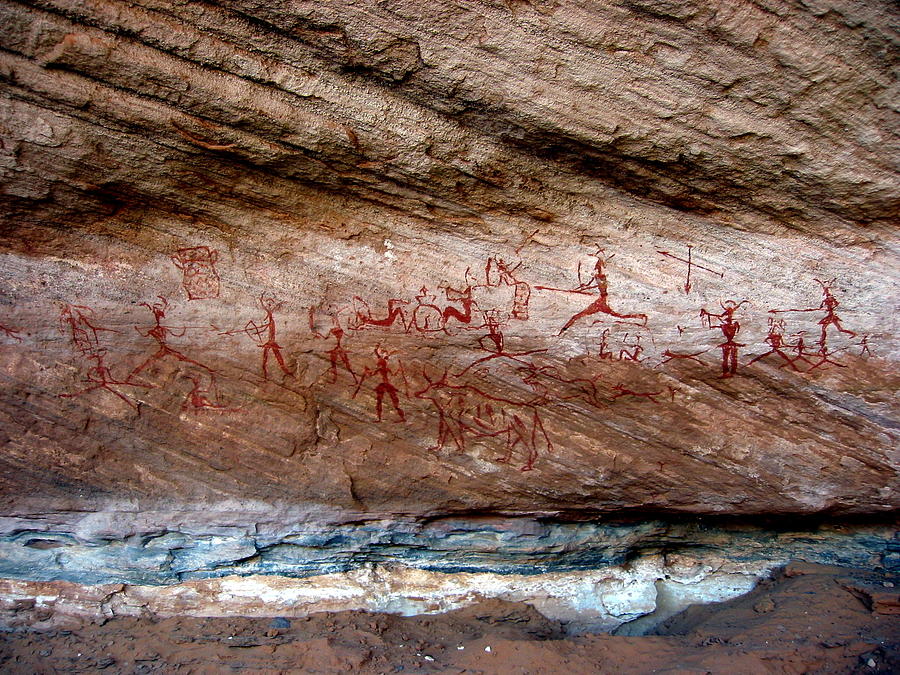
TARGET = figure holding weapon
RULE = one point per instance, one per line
(264, 334)
(599, 284)
(385, 386)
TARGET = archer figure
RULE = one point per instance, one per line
(160, 332)
(264, 334)
(385, 386)
(598, 282)
(730, 328)
(829, 305)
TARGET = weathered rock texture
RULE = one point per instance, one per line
(391, 259)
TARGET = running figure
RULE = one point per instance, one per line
(336, 354)
(160, 333)
(598, 283)
(99, 376)
(829, 305)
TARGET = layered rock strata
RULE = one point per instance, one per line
(369, 262)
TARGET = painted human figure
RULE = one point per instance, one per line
(383, 372)
(599, 283)
(634, 354)
(603, 353)
(160, 333)
(801, 353)
(864, 345)
(264, 334)
(777, 345)
(337, 354)
(78, 322)
(498, 272)
(829, 305)
(730, 328)
(99, 376)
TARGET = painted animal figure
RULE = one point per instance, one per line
(467, 412)
(362, 315)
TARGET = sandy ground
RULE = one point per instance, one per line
(807, 619)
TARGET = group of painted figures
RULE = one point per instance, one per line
(466, 404)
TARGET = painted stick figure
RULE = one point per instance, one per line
(385, 385)
(636, 349)
(99, 376)
(160, 332)
(599, 283)
(264, 334)
(775, 340)
(603, 353)
(829, 305)
(78, 322)
(337, 354)
(864, 344)
(730, 328)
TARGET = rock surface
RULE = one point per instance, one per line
(803, 620)
(380, 259)
(270, 270)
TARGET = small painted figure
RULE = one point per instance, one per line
(337, 354)
(730, 328)
(99, 376)
(384, 372)
(777, 345)
(160, 332)
(78, 322)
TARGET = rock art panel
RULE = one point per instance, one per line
(462, 292)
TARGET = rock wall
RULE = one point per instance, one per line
(373, 262)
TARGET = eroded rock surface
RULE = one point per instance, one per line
(326, 263)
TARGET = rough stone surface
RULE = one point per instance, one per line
(184, 185)
(386, 261)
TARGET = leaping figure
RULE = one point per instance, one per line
(598, 283)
